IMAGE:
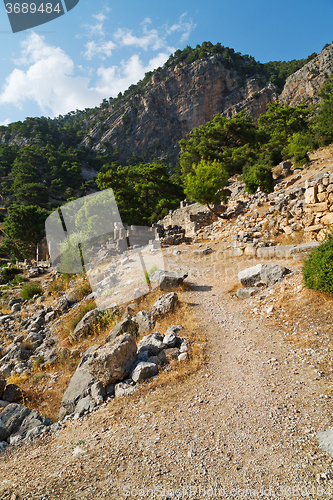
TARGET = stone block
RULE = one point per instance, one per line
(315, 227)
(266, 252)
(322, 196)
(311, 194)
(245, 293)
(250, 251)
(327, 219)
(317, 207)
(236, 252)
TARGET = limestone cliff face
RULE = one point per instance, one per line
(175, 101)
(303, 85)
(181, 98)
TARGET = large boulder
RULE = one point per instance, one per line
(250, 276)
(14, 355)
(164, 304)
(11, 418)
(111, 362)
(144, 321)
(272, 273)
(2, 386)
(80, 386)
(31, 421)
(167, 280)
(13, 393)
(152, 343)
(82, 328)
(265, 273)
(125, 326)
(144, 370)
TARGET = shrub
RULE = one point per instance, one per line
(298, 147)
(259, 176)
(318, 267)
(17, 280)
(8, 273)
(31, 289)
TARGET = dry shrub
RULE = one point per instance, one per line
(68, 324)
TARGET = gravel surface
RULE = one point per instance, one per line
(244, 426)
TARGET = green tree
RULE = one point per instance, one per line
(142, 192)
(23, 228)
(205, 183)
(230, 141)
(279, 123)
(33, 193)
(259, 176)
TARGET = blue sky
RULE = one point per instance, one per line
(100, 48)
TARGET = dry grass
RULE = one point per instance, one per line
(305, 318)
(43, 391)
(296, 238)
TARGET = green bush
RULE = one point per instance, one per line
(318, 267)
(8, 273)
(259, 176)
(31, 289)
(298, 147)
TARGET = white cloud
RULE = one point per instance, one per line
(149, 39)
(6, 122)
(48, 81)
(183, 27)
(47, 76)
(100, 17)
(103, 50)
(117, 79)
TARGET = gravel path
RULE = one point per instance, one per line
(244, 426)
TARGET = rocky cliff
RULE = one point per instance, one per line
(181, 97)
(304, 84)
(175, 101)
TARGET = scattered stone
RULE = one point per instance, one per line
(82, 328)
(183, 356)
(124, 326)
(144, 321)
(111, 362)
(124, 388)
(152, 343)
(245, 293)
(144, 370)
(164, 304)
(167, 280)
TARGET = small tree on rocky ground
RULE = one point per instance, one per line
(206, 182)
(318, 267)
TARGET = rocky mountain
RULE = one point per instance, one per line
(304, 84)
(180, 97)
(174, 102)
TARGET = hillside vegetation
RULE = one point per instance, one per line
(42, 160)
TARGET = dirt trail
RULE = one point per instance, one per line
(244, 426)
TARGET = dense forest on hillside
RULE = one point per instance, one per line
(245, 66)
(41, 159)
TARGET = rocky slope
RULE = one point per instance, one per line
(180, 98)
(304, 84)
(300, 209)
(173, 103)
